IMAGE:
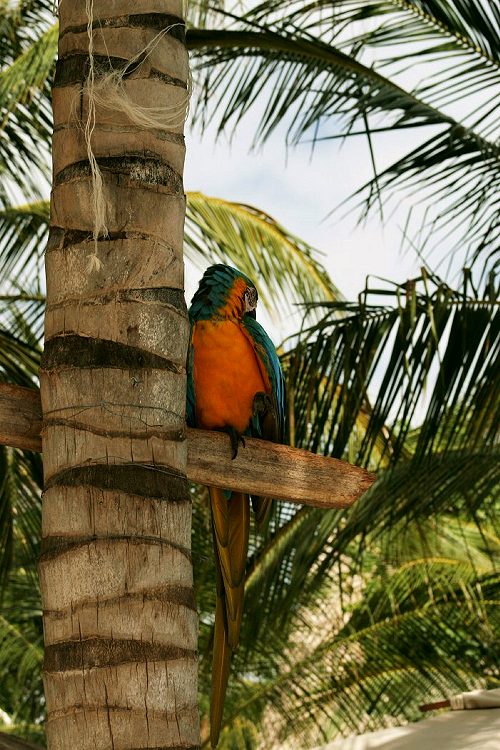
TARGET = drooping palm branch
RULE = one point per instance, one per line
(429, 344)
(21, 634)
(335, 70)
(28, 46)
(398, 636)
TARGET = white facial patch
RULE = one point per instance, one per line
(250, 299)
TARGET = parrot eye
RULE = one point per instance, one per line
(251, 298)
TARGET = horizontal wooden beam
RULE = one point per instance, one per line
(10, 742)
(273, 470)
(260, 467)
(20, 417)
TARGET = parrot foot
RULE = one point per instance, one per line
(236, 439)
(262, 403)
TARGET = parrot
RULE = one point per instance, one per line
(235, 385)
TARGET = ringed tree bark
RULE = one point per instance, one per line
(120, 620)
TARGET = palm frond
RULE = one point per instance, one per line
(442, 27)
(21, 484)
(21, 634)
(430, 345)
(459, 34)
(26, 116)
(23, 233)
(284, 267)
(19, 361)
(402, 642)
(29, 71)
(202, 12)
(462, 484)
(21, 659)
(310, 67)
(21, 22)
(308, 81)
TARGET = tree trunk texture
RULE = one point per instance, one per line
(120, 619)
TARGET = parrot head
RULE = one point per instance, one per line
(224, 292)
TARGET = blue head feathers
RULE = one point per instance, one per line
(223, 290)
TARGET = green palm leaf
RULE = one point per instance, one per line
(464, 483)
(426, 629)
(461, 34)
(469, 25)
(309, 81)
(22, 21)
(26, 115)
(280, 263)
(430, 343)
(19, 361)
(21, 639)
(21, 634)
(201, 12)
(306, 66)
(23, 235)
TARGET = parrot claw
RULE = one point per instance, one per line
(236, 439)
(262, 403)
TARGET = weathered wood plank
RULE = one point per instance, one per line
(20, 417)
(273, 470)
(261, 467)
(10, 742)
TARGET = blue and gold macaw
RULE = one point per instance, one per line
(235, 384)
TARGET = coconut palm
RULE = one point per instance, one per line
(380, 608)
(353, 618)
(423, 537)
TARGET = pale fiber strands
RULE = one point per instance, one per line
(108, 92)
(98, 200)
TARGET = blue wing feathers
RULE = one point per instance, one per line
(190, 394)
(267, 353)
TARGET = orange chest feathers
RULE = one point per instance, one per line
(227, 375)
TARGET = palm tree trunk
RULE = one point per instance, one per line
(120, 620)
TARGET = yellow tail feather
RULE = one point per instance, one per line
(220, 672)
(231, 524)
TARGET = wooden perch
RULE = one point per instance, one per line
(261, 467)
(20, 417)
(10, 742)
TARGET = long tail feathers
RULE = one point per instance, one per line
(231, 523)
(220, 671)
